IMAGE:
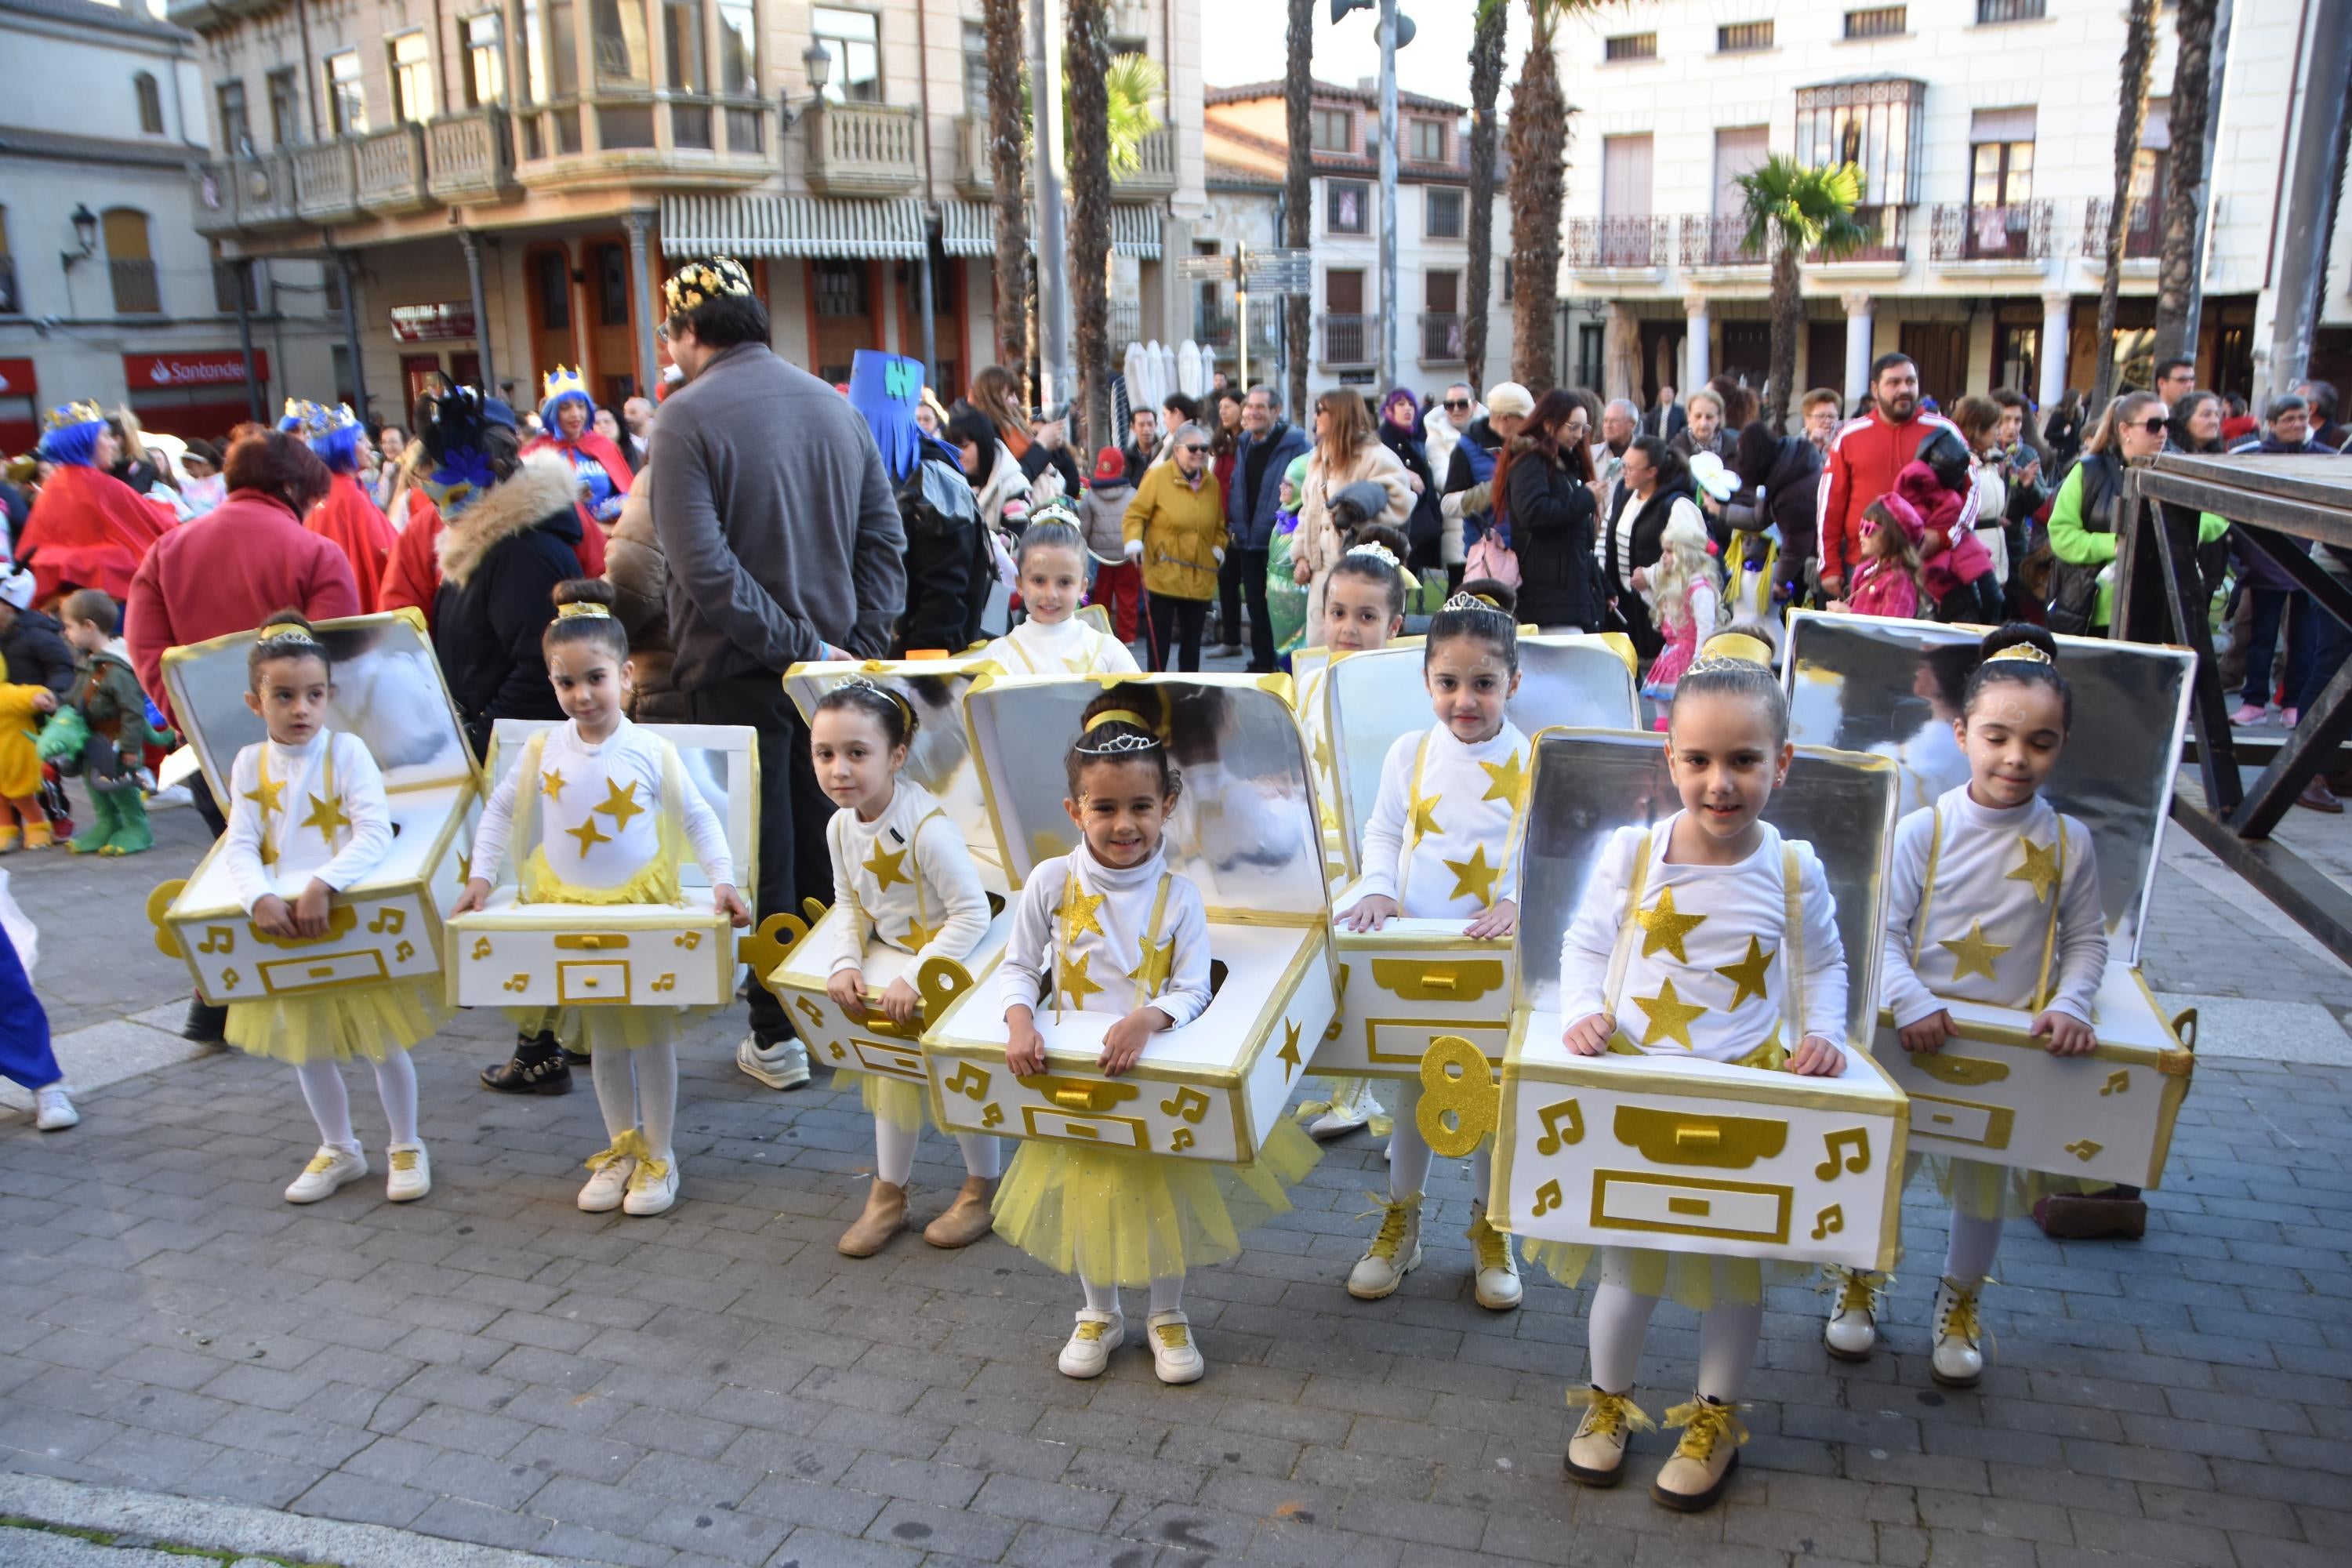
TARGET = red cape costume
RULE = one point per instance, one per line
(349, 519)
(617, 467)
(88, 529)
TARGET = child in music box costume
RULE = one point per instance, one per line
(307, 819)
(1109, 928)
(1443, 841)
(598, 811)
(1708, 936)
(1052, 561)
(904, 876)
(1993, 897)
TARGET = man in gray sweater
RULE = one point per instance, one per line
(784, 545)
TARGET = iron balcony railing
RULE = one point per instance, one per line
(2143, 229)
(2016, 231)
(1617, 242)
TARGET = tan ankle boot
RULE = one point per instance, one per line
(884, 1216)
(968, 1219)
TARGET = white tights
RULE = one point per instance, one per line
(1167, 1294)
(1727, 1333)
(1968, 1259)
(1408, 1152)
(638, 1087)
(893, 1153)
(331, 1104)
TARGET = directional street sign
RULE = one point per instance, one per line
(1204, 268)
(1280, 271)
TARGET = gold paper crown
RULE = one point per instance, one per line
(560, 381)
(1732, 650)
(2024, 650)
(311, 420)
(588, 608)
(699, 282)
(68, 415)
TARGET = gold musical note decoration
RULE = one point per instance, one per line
(835, 1045)
(665, 983)
(991, 1116)
(1856, 1141)
(1562, 1123)
(1547, 1198)
(519, 982)
(481, 947)
(217, 939)
(2118, 1082)
(1459, 1101)
(1181, 1141)
(403, 953)
(969, 1081)
(1829, 1222)
(1189, 1104)
(810, 1011)
(2084, 1149)
(688, 940)
(389, 921)
(228, 979)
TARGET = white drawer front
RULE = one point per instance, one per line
(1622, 1201)
(1112, 1131)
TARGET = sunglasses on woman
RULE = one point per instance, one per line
(2154, 425)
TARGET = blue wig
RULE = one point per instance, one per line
(887, 388)
(339, 450)
(74, 445)
(547, 411)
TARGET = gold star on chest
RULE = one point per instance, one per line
(551, 783)
(1074, 982)
(1973, 954)
(327, 815)
(884, 866)
(619, 804)
(2040, 867)
(1421, 816)
(1289, 1052)
(1077, 911)
(1662, 928)
(1670, 1016)
(1473, 876)
(268, 851)
(265, 793)
(1749, 974)
(588, 835)
(1156, 963)
(920, 936)
(1509, 781)
(1323, 752)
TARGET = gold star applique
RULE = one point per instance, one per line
(588, 835)
(1474, 876)
(465, 869)
(1509, 783)
(265, 793)
(268, 851)
(619, 804)
(1421, 817)
(551, 783)
(1972, 954)
(1077, 911)
(2041, 867)
(326, 815)
(1155, 964)
(1662, 927)
(1749, 973)
(883, 865)
(1670, 1016)
(920, 936)
(1323, 752)
(1289, 1052)
(1074, 982)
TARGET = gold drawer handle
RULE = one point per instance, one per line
(1691, 1136)
(1966, 1072)
(1078, 1093)
(592, 941)
(1464, 981)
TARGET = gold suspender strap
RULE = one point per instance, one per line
(914, 873)
(1792, 942)
(1928, 884)
(1622, 954)
(1143, 992)
(2041, 998)
(1412, 799)
(522, 831)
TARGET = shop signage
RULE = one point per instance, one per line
(173, 372)
(432, 323)
(16, 378)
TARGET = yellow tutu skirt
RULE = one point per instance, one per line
(1694, 1279)
(336, 1025)
(606, 1029)
(1993, 1192)
(895, 1101)
(1120, 1216)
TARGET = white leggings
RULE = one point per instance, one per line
(1727, 1333)
(638, 1086)
(1167, 1294)
(893, 1153)
(331, 1105)
(1968, 1258)
(1408, 1152)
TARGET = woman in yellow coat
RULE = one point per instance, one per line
(1176, 527)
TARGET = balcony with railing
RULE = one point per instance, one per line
(470, 157)
(390, 166)
(1617, 244)
(1717, 240)
(1440, 337)
(1125, 323)
(681, 140)
(326, 182)
(864, 148)
(1346, 340)
(243, 194)
(1888, 245)
(975, 172)
(1154, 176)
(2016, 234)
(2143, 229)
(137, 289)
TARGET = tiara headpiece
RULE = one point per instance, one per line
(289, 634)
(71, 416)
(1139, 737)
(2022, 650)
(1374, 547)
(1056, 512)
(860, 683)
(1460, 601)
(1732, 650)
(588, 608)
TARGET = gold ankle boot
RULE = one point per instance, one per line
(968, 1219)
(884, 1216)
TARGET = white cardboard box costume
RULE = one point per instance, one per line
(389, 925)
(941, 761)
(1416, 979)
(513, 954)
(1244, 832)
(1676, 1154)
(1995, 1094)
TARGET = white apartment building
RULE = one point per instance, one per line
(1985, 131)
(1248, 135)
(107, 291)
(509, 180)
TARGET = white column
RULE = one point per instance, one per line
(1858, 329)
(1695, 364)
(2056, 345)
(1620, 356)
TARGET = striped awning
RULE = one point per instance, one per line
(837, 226)
(969, 228)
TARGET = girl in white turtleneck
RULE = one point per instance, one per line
(1443, 842)
(1052, 561)
(903, 879)
(1992, 897)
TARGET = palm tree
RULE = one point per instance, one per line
(1791, 210)
(1007, 155)
(2131, 115)
(1297, 186)
(1539, 145)
(1486, 87)
(1086, 64)
(2177, 285)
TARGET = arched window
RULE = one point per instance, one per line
(151, 103)
(130, 263)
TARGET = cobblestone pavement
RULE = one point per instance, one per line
(719, 1386)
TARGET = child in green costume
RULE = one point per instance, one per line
(113, 710)
(1285, 598)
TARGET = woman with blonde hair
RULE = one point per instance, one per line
(2083, 514)
(1346, 451)
(997, 396)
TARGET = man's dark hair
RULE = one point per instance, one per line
(2165, 367)
(726, 320)
(2322, 394)
(1260, 389)
(1886, 362)
(2282, 405)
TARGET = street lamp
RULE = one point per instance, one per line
(1395, 31)
(816, 60)
(85, 227)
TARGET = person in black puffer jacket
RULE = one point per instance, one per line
(1789, 469)
(501, 557)
(1544, 483)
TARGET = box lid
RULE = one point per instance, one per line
(941, 758)
(723, 761)
(388, 691)
(1893, 687)
(1588, 783)
(1245, 828)
(1371, 698)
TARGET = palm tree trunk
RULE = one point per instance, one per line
(2131, 115)
(1086, 59)
(1001, 22)
(1486, 87)
(2176, 283)
(1298, 193)
(1539, 145)
(1788, 321)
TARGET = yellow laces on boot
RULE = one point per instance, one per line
(1704, 1425)
(1961, 1314)
(1856, 1289)
(1394, 1213)
(1610, 1414)
(1489, 1246)
(629, 1146)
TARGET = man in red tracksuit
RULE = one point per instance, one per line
(1864, 457)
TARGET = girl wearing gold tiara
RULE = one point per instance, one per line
(598, 811)
(902, 878)
(1052, 561)
(307, 819)
(1108, 928)
(1443, 841)
(1993, 897)
(1707, 937)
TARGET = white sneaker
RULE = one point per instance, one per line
(1174, 1356)
(784, 1065)
(328, 1169)
(412, 1173)
(1852, 1328)
(653, 1187)
(54, 1108)
(609, 1180)
(1957, 1361)
(1351, 1106)
(1090, 1343)
(1497, 1282)
(1394, 1253)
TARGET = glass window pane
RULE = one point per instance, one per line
(2021, 172)
(563, 49)
(682, 31)
(346, 103)
(739, 51)
(1985, 190)
(853, 40)
(623, 50)
(485, 61)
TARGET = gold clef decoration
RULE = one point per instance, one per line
(1459, 1101)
